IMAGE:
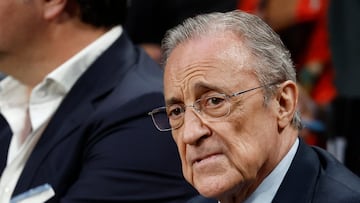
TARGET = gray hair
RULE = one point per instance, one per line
(272, 60)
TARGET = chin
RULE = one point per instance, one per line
(211, 188)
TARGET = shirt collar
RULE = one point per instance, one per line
(57, 83)
(68, 73)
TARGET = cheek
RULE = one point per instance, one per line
(247, 155)
(182, 152)
(249, 143)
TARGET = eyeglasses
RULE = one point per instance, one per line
(210, 108)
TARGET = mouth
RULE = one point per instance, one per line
(206, 158)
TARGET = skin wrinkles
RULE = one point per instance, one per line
(241, 144)
(230, 157)
(184, 78)
(218, 61)
(203, 82)
(233, 120)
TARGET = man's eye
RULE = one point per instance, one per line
(213, 102)
(175, 111)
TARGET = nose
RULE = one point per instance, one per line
(194, 107)
(194, 129)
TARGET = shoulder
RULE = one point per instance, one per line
(316, 176)
(142, 86)
(132, 74)
(142, 75)
(335, 180)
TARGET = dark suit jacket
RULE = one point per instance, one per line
(314, 176)
(100, 145)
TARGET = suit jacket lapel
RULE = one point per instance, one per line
(5, 138)
(96, 83)
(301, 178)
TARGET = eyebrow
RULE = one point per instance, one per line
(204, 86)
(172, 100)
(200, 88)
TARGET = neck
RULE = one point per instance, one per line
(289, 136)
(31, 66)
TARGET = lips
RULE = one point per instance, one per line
(202, 158)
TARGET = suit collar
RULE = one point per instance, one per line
(301, 178)
(5, 138)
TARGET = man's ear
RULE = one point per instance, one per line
(53, 8)
(287, 98)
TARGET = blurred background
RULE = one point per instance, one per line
(323, 38)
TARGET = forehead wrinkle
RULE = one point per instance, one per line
(191, 74)
(188, 80)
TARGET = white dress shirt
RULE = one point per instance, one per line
(41, 103)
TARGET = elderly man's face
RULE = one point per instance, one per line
(224, 157)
